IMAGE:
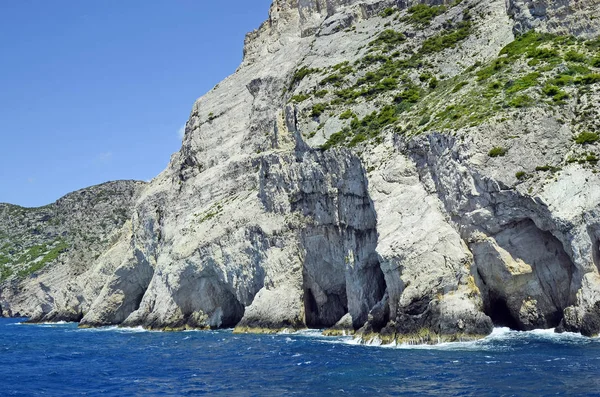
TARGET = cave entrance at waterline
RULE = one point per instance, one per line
(323, 315)
(524, 275)
(500, 314)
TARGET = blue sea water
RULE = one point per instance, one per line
(62, 360)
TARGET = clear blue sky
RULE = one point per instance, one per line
(92, 91)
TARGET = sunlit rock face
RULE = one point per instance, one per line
(44, 249)
(564, 17)
(376, 172)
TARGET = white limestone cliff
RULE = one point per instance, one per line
(413, 238)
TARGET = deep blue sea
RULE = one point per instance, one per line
(62, 360)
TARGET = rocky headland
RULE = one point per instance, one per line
(398, 170)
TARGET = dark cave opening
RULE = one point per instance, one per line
(324, 314)
(596, 253)
(501, 315)
(310, 308)
(535, 295)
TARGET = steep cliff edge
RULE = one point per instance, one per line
(403, 171)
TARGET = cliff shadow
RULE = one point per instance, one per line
(525, 276)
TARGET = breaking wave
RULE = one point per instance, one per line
(500, 339)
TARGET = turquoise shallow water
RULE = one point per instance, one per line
(62, 360)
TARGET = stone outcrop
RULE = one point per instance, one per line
(415, 232)
(43, 249)
(578, 17)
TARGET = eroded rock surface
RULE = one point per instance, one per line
(376, 172)
(44, 249)
(572, 16)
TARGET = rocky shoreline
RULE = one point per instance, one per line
(397, 171)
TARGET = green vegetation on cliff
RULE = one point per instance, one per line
(80, 225)
(534, 70)
(5, 272)
(586, 138)
(38, 256)
(497, 151)
(421, 15)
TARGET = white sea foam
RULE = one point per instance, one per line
(304, 363)
(499, 331)
(348, 340)
(58, 323)
(501, 339)
(114, 328)
(133, 329)
(312, 333)
(540, 334)
(48, 324)
(99, 329)
(471, 345)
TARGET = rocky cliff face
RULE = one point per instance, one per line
(42, 249)
(564, 17)
(403, 171)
